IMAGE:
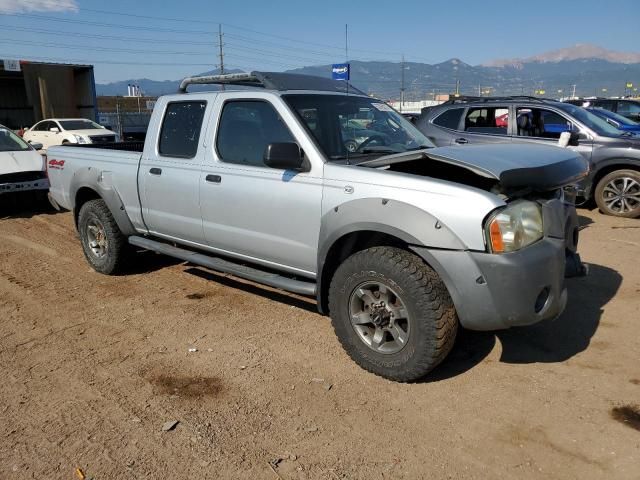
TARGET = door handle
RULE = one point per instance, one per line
(155, 171)
(461, 141)
(213, 178)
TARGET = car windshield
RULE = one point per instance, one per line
(601, 112)
(589, 120)
(10, 142)
(346, 127)
(79, 125)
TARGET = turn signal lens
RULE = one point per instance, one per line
(515, 226)
(497, 245)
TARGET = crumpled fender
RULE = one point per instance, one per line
(401, 220)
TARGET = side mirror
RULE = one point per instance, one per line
(54, 130)
(574, 139)
(36, 146)
(285, 156)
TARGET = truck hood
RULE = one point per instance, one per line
(514, 166)
(24, 161)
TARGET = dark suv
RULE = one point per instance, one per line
(622, 106)
(614, 156)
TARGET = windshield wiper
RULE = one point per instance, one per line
(413, 149)
(627, 134)
(377, 150)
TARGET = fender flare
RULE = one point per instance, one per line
(100, 182)
(406, 222)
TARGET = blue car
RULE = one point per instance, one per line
(615, 119)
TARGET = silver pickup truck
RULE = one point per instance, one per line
(308, 185)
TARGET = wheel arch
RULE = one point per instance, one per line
(86, 193)
(346, 244)
(608, 166)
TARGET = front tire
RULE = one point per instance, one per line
(103, 243)
(392, 313)
(618, 194)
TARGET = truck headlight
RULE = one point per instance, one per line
(80, 139)
(514, 227)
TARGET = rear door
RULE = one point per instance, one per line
(484, 124)
(169, 172)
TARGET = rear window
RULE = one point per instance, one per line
(449, 119)
(181, 129)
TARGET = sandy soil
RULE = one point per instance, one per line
(92, 368)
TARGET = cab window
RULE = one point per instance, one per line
(181, 127)
(247, 127)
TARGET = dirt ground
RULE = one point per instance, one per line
(92, 367)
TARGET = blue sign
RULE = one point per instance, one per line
(340, 71)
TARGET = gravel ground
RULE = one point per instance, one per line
(96, 368)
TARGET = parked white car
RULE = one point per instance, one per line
(22, 168)
(62, 131)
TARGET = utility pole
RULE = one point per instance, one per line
(479, 90)
(346, 43)
(402, 85)
(220, 47)
(573, 91)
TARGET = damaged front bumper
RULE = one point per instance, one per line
(13, 187)
(496, 291)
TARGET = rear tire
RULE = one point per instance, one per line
(103, 243)
(618, 194)
(404, 321)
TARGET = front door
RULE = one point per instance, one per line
(169, 174)
(544, 125)
(266, 215)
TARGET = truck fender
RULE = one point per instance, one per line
(403, 221)
(100, 182)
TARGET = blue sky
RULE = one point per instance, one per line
(123, 42)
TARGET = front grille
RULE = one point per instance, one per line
(22, 177)
(102, 138)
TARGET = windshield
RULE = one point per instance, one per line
(79, 125)
(594, 122)
(601, 112)
(346, 127)
(10, 142)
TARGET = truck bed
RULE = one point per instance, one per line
(113, 168)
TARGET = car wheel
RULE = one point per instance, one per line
(103, 243)
(618, 194)
(392, 313)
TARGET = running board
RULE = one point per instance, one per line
(226, 266)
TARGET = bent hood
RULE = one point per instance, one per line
(539, 167)
(21, 161)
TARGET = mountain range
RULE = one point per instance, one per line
(592, 69)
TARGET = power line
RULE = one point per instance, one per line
(100, 36)
(106, 62)
(101, 24)
(100, 49)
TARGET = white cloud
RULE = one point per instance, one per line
(22, 6)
